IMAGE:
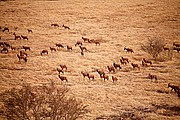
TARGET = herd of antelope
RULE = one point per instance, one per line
(5, 47)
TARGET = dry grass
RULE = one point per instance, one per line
(115, 24)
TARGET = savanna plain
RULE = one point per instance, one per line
(115, 24)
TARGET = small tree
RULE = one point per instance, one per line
(154, 47)
(39, 103)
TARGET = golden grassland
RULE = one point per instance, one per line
(116, 24)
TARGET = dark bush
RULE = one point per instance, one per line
(40, 102)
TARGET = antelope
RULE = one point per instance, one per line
(85, 39)
(66, 27)
(85, 74)
(177, 49)
(30, 31)
(83, 48)
(125, 59)
(22, 53)
(90, 76)
(63, 67)
(135, 65)
(176, 44)
(174, 87)
(6, 29)
(22, 57)
(69, 47)
(55, 25)
(26, 48)
(78, 43)
(128, 50)
(16, 36)
(114, 78)
(82, 53)
(105, 77)
(4, 50)
(152, 76)
(144, 63)
(147, 61)
(62, 78)
(100, 72)
(59, 45)
(123, 62)
(60, 70)
(44, 52)
(24, 37)
(116, 65)
(7, 44)
(111, 68)
(13, 48)
(52, 49)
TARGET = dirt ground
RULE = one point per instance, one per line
(115, 24)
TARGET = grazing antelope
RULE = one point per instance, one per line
(85, 39)
(174, 87)
(66, 27)
(123, 62)
(116, 65)
(85, 74)
(59, 45)
(6, 29)
(147, 61)
(152, 76)
(90, 76)
(114, 78)
(83, 48)
(62, 78)
(101, 73)
(105, 77)
(16, 36)
(30, 31)
(125, 59)
(78, 43)
(52, 49)
(24, 57)
(128, 50)
(69, 47)
(135, 65)
(24, 37)
(60, 70)
(111, 68)
(4, 50)
(63, 67)
(26, 48)
(144, 64)
(55, 25)
(44, 52)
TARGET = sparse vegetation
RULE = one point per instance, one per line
(155, 48)
(40, 102)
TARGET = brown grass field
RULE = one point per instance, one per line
(116, 24)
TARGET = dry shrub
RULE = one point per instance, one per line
(39, 103)
(155, 48)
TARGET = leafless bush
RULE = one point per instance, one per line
(155, 48)
(39, 103)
